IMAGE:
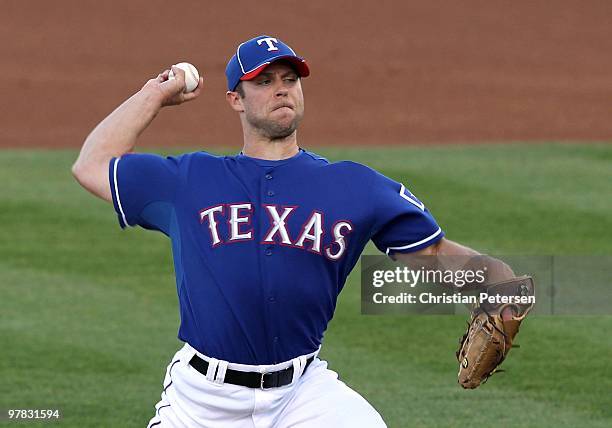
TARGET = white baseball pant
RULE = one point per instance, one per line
(315, 400)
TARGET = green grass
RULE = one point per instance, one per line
(88, 313)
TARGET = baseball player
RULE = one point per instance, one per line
(262, 241)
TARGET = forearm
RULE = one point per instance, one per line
(447, 255)
(118, 132)
(114, 136)
(457, 256)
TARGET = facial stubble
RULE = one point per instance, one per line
(274, 129)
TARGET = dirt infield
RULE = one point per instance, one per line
(393, 73)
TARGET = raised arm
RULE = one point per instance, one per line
(118, 132)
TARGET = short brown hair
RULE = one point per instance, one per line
(240, 89)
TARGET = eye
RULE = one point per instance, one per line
(264, 82)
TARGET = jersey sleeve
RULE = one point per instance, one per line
(143, 187)
(402, 222)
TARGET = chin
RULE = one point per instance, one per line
(279, 131)
(284, 121)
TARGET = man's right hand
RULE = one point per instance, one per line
(170, 91)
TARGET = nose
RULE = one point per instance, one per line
(281, 88)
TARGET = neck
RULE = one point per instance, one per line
(264, 148)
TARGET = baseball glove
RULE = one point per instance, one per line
(491, 330)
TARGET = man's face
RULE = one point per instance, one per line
(273, 101)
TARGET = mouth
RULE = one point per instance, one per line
(280, 106)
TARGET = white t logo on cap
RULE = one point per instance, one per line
(268, 41)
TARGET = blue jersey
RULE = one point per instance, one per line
(263, 248)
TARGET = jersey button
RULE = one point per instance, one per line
(268, 176)
(270, 192)
(271, 299)
(276, 338)
(269, 252)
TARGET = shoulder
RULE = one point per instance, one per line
(148, 165)
(200, 162)
(315, 158)
(199, 157)
(343, 166)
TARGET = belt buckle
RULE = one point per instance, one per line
(261, 383)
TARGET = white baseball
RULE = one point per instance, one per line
(192, 77)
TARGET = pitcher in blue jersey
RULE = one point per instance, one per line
(262, 241)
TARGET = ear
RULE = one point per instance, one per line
(234, 100)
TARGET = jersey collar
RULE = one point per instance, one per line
(268, 163)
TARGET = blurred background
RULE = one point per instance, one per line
(396, 73)
(495, 114)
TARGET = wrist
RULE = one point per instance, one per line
(151, 97)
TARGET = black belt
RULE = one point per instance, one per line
(252, 379)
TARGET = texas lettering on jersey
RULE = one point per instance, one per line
(310, 237)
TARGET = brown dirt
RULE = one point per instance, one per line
(382, 72)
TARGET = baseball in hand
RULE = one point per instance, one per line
(192, 77)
